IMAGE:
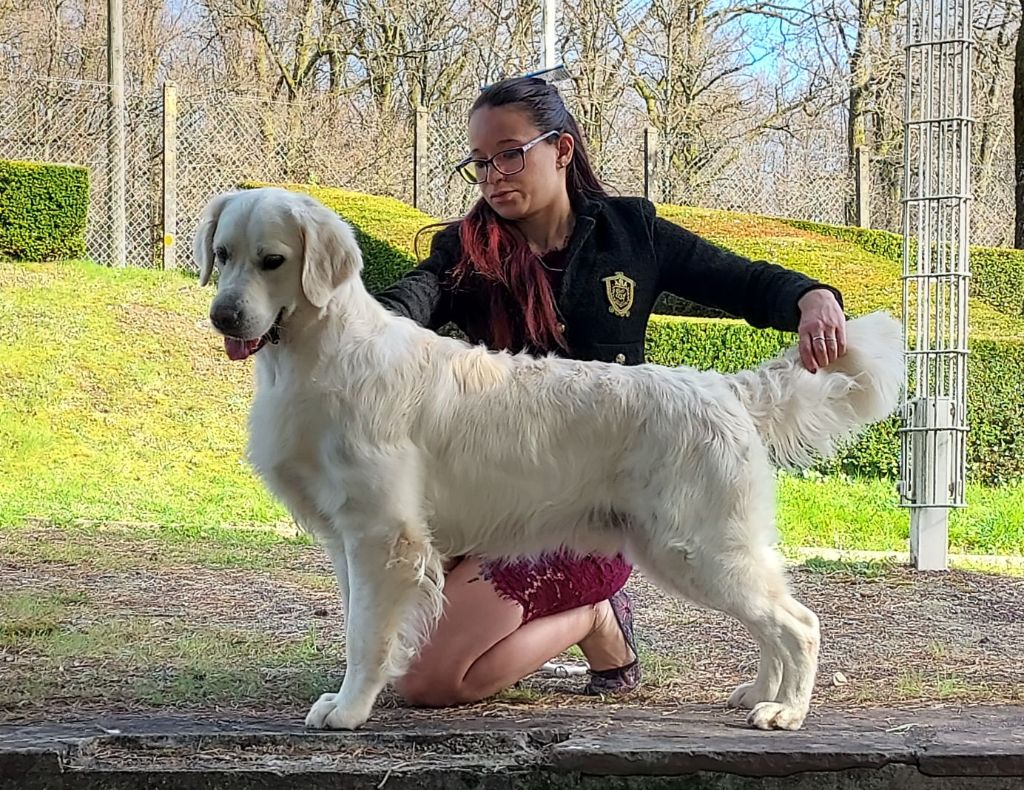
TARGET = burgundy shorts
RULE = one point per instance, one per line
(557, 581)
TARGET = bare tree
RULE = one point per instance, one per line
(992, 76)
(598, 42)
(696, 68)
(291, 46)
(502, 39)
(862, 41)
(736, 87)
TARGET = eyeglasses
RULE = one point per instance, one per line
(507, 162)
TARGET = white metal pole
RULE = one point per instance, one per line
(936, 268)
(550, 9)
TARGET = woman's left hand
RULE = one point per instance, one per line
(822, 329)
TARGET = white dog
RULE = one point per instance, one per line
(398, 447)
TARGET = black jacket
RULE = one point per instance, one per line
(620, 258)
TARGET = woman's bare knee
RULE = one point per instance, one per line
(423, 691)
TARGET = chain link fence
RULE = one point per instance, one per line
(70, 122)
(222, 139)
(444, 193)
(225, 140)
(993, 207)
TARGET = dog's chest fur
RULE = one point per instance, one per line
(296, 446)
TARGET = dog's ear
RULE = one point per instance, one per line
(202, 242)
(330, 253)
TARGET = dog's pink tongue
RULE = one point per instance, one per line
(240, 349)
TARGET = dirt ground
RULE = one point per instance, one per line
(130, 625)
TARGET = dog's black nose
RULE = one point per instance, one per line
(225, 317)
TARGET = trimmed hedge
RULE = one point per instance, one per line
(386, 229)
(997, 278)
(997, 274)
(43, 210)
(882, 243)
(995, 410)
(707, 343)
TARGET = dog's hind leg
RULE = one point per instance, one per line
(791, 630)
(802, 637)
(758, 596)
(749, 584)
(766, 685)
(394, 599)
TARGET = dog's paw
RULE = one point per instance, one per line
(776, 716)
(748, 695)
(319, 712)
(328, 714)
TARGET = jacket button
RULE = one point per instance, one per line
(620, 358)
(561, 329)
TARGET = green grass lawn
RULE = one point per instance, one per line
(117, 405)
(864, 515)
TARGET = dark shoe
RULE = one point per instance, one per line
(620, 679)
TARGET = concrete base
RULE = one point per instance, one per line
(613, 748)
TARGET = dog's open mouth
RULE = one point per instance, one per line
(241, 349)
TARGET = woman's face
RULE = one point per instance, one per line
(495, 132)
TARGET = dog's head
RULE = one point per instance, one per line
(276, 253)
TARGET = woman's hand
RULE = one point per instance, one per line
(822, 329)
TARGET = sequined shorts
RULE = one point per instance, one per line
(557, 581)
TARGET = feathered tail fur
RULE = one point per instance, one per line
(801, 415)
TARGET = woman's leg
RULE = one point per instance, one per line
(481, 645)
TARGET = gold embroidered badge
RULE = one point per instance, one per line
(619, 289)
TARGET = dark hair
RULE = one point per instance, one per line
(543, 103)
(522, 302)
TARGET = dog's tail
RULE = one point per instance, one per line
(801, 415)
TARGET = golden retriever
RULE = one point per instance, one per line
(398, 448)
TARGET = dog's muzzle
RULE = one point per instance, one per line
(239, 348)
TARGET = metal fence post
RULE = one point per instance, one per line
(169, 192)
(116, 131)
(650, 154)
(419, 157)
(863, 187)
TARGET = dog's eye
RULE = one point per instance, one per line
(272, 262)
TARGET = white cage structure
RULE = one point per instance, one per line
(936, 270)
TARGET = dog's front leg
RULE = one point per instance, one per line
(335, 548)
(394, 598)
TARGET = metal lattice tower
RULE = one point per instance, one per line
(936, 269)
